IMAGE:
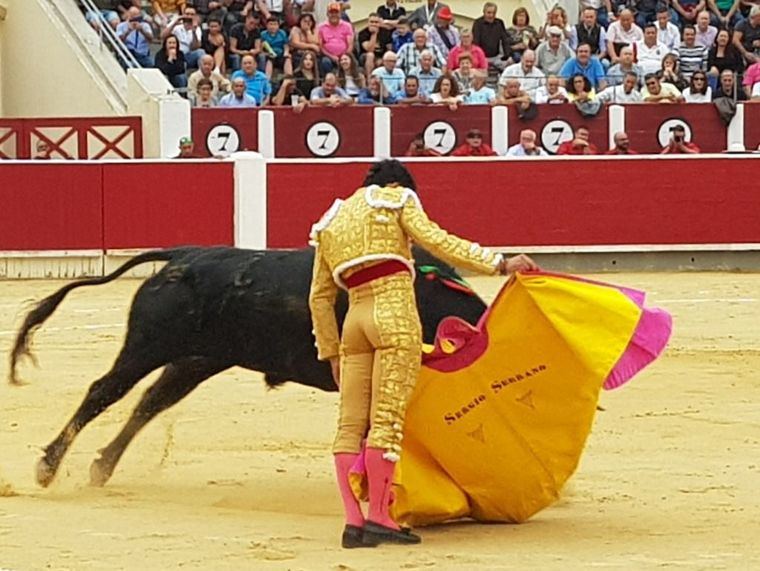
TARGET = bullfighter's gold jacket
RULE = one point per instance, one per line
(376, 224)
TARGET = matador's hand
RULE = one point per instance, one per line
(519, 263)
(335, 366)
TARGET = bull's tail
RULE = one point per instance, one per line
(45, 308)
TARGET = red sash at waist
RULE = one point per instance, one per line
(380, 270)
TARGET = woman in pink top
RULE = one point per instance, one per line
(336, 37)
(477, 55)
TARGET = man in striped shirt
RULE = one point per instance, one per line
(691, 56)
(409, 54)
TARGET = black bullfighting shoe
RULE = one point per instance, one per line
(353, 537)
(375, 534)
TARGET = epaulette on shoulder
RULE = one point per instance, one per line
(394, 197)
(324, 222)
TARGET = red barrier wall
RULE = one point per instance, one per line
(224, 131)
(555, 124)
(546, 202)
(752, 126)
(60, 206)
(442, 128)
(649, 126)
(324, 132)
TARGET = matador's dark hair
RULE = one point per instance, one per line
(387, 172)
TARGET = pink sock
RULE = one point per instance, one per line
(343, 463)
(380, 478)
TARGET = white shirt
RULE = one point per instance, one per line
(650, 59)
(519, 151)
(670, 36)
(542, 95)
(617, 94)
(185, 38)
(755, 90)
(697, 97)
(617, 35)
(528, 82)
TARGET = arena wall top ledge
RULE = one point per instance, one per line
(72, 218)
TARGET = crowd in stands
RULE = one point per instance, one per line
(246, 53)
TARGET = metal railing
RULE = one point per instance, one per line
(108, 37)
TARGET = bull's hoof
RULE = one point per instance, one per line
(100, 472)
(45, 472)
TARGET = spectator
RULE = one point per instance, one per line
(402, 35)
(588, 31)
(622, 145)
(474, 146)
(464, 74)
(602, 10)
(552, 54)
(579, 89)
(136, 35)
(375, 93)
(691, 56)
(588, 65)
(371, 46)
(108, 10)
(204, 96)
(417, 148)
(303, 38)
(220, 84)
(425, 16)
(257, 83)
(306, 75)
(512, 94)
(724, 55)
(705, 33)
(187, 30)
(245, 39)
(526, 71)
(237, 11)
(330, 94)
(725, 13)
(671, 72)
(349, 76)
(578, 145)
(490, 35)
(274, 45)
(623, 32)
(627, 92)
(727, 87)
(656, 91)
(290, 94)
(521, 35)
(209, 9)
(186, 149)
(272, 9)
(698, 90)
(678, 143)
(238, 97)
(616, 74)
(688, 9)
(650, 51)
(426, 73)
(446, 92)
(336, 37)
(552, 92)
(443, 35)
(557, 16)
(411, 94)
(646, 11)
(171, 62)
(409, 56)
(391, 76)
(667, 32)
(747, 36)
(527, 146)
(165, 10)
(390, 15)
(42, 151)
(214, 43)
(479, 93)
(475, 53)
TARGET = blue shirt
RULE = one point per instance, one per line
(427, 79)
(230, 100)
(594, 71)
(398, 40)
(277, 42)
(483, 96)
(366, 98)
(257, 85)
(393, 81)
(135, 41)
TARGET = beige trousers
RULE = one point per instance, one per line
(380, 358)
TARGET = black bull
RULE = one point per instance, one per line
(207, 310)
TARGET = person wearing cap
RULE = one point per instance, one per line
(552, 54)
(186, 149)
(336, 37)
(473, 146)
(425, 16)
(443, 35)
(363, 245)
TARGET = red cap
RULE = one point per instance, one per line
(333, 7)
(445, 13)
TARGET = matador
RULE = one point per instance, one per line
(363, 245)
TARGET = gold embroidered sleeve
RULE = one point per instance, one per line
(440, 243)
(322, 306)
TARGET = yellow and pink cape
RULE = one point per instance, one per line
(501, 412)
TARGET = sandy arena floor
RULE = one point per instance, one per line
(238, 477)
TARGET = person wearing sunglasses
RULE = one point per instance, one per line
(698, 91)
(656, 91)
